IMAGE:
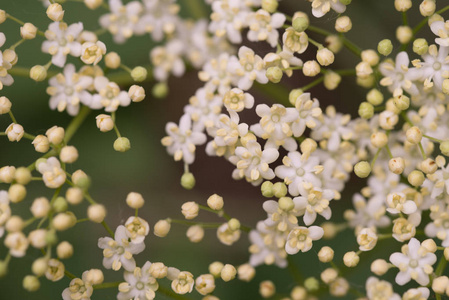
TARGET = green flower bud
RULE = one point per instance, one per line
(122, 144)
(274, 74)
(444, 148)
(311, 284)
(375, 97)
(270, 5)
(366, 110)
(139, 74)
(286, 203)
(234, 224)
(416, 178)
(385, 47)
(3, 269)
(402, 102)
(38, 73)
(267, 189)
(83, 182)
(279, 189)
(23, 175)
(51, 238)
(420, 46)
(300, 24)
(60, 204)
(362, 169)
(160, 90)
(294, 94)
(188, 181)
(31, 283)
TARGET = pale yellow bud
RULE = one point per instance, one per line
(270, 5)
(64, 221)
(5, 105)
(190, 210)
(402, 5)
(279, 189)
(2, 16)
(14, 132)
(326, 254)
(440, 284)
(379, 139)
(28, 31)
(55, 12)
(331, 80)
(396, 165)
(40, 207)
(74, 195)
(334, 43)
(55, 135)
(139, 74)
(64, 250)
(215, 202)
(429, 245)
(267, 289)
(104, 122)
(95, 276)
(366, 110)
(136, 93)
(370, 56)
(215, 268)
(135, 200)
(246, 272)
(17, 193)
(363, 70)
(69, 154)
(93, 4)
(228, 272)
(267, 189)
(343, 24)
(329, 275)
(298, 293)
(122, 144)
(385, 47)
(416, 178)
(195, 233)
(274, 74)
(22, 175)
(325, 57)
(80, 179)
(14, 224)
(427, 8)
(420, 46)
(311, 68)
(39, 266)
(351, 259)
(404, 34)
(41, 143)
(31, 283)
(362, 169)
(402, 102)
(158, 270)
(7, 174)
(96, 213)
(162, 228)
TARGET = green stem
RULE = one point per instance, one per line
(106, 285)
(76, 123)
(107, 229)
(12, 117)
(197, 9)
(293, 269)
(69, 275)
(423, 153)
(347, 43)
(432, 138)
(375, 158)
(22, 23)
(313, 83)
(169, 293)
(441, 266)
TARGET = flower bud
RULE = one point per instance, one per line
(375, 97)
(17, 193)
(5, 105)
(444, 148)
(7, 174)
(279, 189)
(440, 284)
(416, 178)
(326, 254)
(22, 175)
(93, 4)
(300, 24)
(104, 122)
(311, 284)
(95, 276)
(267, 289)
(311, 68)
(362, 169)
(135, 200)
(331, 80)
(325, 57)
(370, 56)
(246, 272)
(396, 165)
(136, 93)
(28, 31)
(363, 70)
(228, 273)
(385, 47)
(334, 43)
(2, 19)
(55, 135)
(92, 53)
(286, 203)
(404, 34)
(112, 60)
(267, 189)
(80, 179)
(14, 224)
(74, 195)
(402, 5)
(55, 12)
(64, 250)
(234, 224)
(158, 270)
(69, 154)
(427, 8)
(139, 74)
(413, 135)
(343, 24)
(420, 46)
(274, 74)
(160, 90)
(40, 207)
(215, 202)
(329, 275)
(122, 144)
(429, 245)
(351, 259)
(14, 132)
(366, 110)
(270, 5)
(37, 238)
(402, 102)
(215, 268)
(379, 139)
(39, 266)
(446, 253)
(96, 213)
(190, 210)
(162, 228)
(60, 204)
(293, 95)
(38, 73)
(41, 143)
(63, 221)
(188, 181)
(298, 293)
(31, 283)
(195, 233)
(429, 166)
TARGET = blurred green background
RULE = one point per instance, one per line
(147, 168)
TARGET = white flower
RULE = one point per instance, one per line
(119, 251)
(139, 284)
(17, 243)
(253, 163)
(228, 18)
(79, 288)
(137, 229)
(413, 263)
(8, 58)
(216, 75)
(263, 26)
(226, 235)
(282, 219)
(205, 284)
(274, 126)
(182, 281)
(420, 293)
(441, 29)
(237, 100)
(313, 201)
(397, 203)
(122, 20)
(322, 7)
(300, 238)
(159, 17)
(91, 53)
(284, 60)
(204, 108)
(434, 67)
(62, 40)
(367, 239)
(296, 172)
(309, 113)
(181, 140)
(396, 75)
(68, 89)
(247, 68)
(168, 60)
(367, 213)
(267, 246)
(439, 227)
(109, 96)
(380, 289)
(52, 173)
(5, 211)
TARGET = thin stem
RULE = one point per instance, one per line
(76, 123)
(375, 158)
(347, 43)
(29, 136)
(169, 293)
(41, 33)
(318, 45)
(423, 153)
(404, 19)
(389, 151)
(12, 117)
(107, 229)
(293, 269)
(313, 83)
(69, 275)
(106, 285)
(441, 266)
(432, 138)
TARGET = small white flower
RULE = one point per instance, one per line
(413, 263)
(139, 284)
(267, 246)
(237, 100)
(109, 96)
(300, 238)
(228, 18)
(396, 75)
(168, 59)
(439, 227)
(313, 201)
(380, 289)
(309, 113)
(8, 58)
(263, 26)
(433, 69)
(441, 29)
(204, 108)
(79, 288)
(247, 68)
(52, 173)
(216, 75)
(61, 41)
(91, 53)
(367, 213)
(137, 229)
(17, 243)
(119, 251)
(322, 7)
(281, 219)
(159, 18)
(182, 281)
(226, 235)
(420, 293)
(397, 203)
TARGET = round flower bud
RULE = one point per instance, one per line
(413, 135)
(64, 221)
(162, 228)
(188, 181)
(60, 204)
(339, 287)
(286, 203)
(228, 272)
(64, 250)
(379, 139)
(158, 270)
(331, 80)
(74, 195)
(39, 266)
(14, 224)
(96, 213)
(329, 275)
(274, 74)
(370, 56)
(363, 70)
(429, 166)
(55, 135)
(366, 110)
(215, 202)
(38, 73)
(41, 143)
(160, 90)
(37, 238)
(298, 293)
(404, 34)
(122, 144)
(104, 122)
(326, 254)
(444, 148)
(267, 189)
(334, 43)
(311, 284)
(429, 245)
(17, 193)
(55, 12)
(112, 60)
(22, 175)
(31, 283)
(270, 5)
(195, 233)
(267, 289)
(135, 200)
(375, 97)
(362, 169)
(300, 24)
(311, 68)
(95, 276)
(215, 268)
(385, 47)
(388, 119)
(190, 210)
(402, 5)
(427, 8)
(325, 57)
(136, 93)
(396, 165)
(69, 154)
(279, 189)
(416, 178)
(7, 174)
(402, 102)
(2, 16)
(93, 4)
(139, 74)
(28, 31)
(446, 253)
(246, 272)
(40, 207)
(440, 284)
(343, 24)
(234, 224)
(293, 95)
(420, 46)
(80, 179)
(5, 105)
(14, 132)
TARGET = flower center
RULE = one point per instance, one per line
(120, 250)
(300, 172)
(140, 285)
(437, 66)
(413, 263)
